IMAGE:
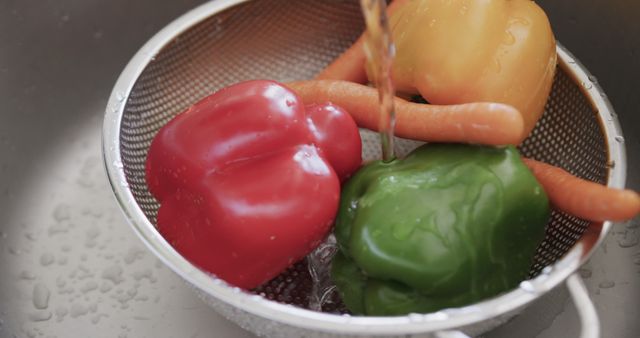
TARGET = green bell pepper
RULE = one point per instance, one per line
(447, 226)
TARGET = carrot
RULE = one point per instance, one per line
(582, 198)
(349, 66)
(484, 123)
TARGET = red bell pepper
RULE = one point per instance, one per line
(249, 179)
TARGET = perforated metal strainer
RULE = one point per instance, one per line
(227, 41)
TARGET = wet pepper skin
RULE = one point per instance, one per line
(249, 179)
(460, 51)
(447, 226)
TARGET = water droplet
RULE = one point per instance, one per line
(402, 231)
(40, 296)
(619, 139)
(593, 79)
(528, 287)
(40, 316)
(31, 236)
(141, 298)
(585, 273)
(93, 232)
(120, 96)
(61, 212)
(89, 286)
(61, 312)
(27, 275)
(143, 274)
(628, 242)
(60, 282)
(14, 251)
(632, 224)
(217, 24)
(46, 259)
(158, 264)
(416, 317)
(496, 66)
(440, 315)
(607, 284)
(133, 254)
(521, 21)
(587, 85)
(547, 270)
(78, 310)
(58, 228)
(106, 286)
(96, 319)
(508, 39)
(113, 274)
(571, 61)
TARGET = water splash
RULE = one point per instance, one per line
(319, 265)
(380, 51)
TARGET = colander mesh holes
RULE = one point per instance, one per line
(274, 40)
(569, 136)
(260, 39)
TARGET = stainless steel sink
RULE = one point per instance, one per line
(71, 267)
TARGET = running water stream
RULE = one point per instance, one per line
(380, 51)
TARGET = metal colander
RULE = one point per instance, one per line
(227, 41)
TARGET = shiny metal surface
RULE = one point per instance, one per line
(55, 76)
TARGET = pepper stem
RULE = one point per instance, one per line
(380, 51)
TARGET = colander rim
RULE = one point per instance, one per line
(307, 319)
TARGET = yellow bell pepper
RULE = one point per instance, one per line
(458, 51)
(461, 51)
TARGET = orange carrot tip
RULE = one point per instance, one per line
(582, 198)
